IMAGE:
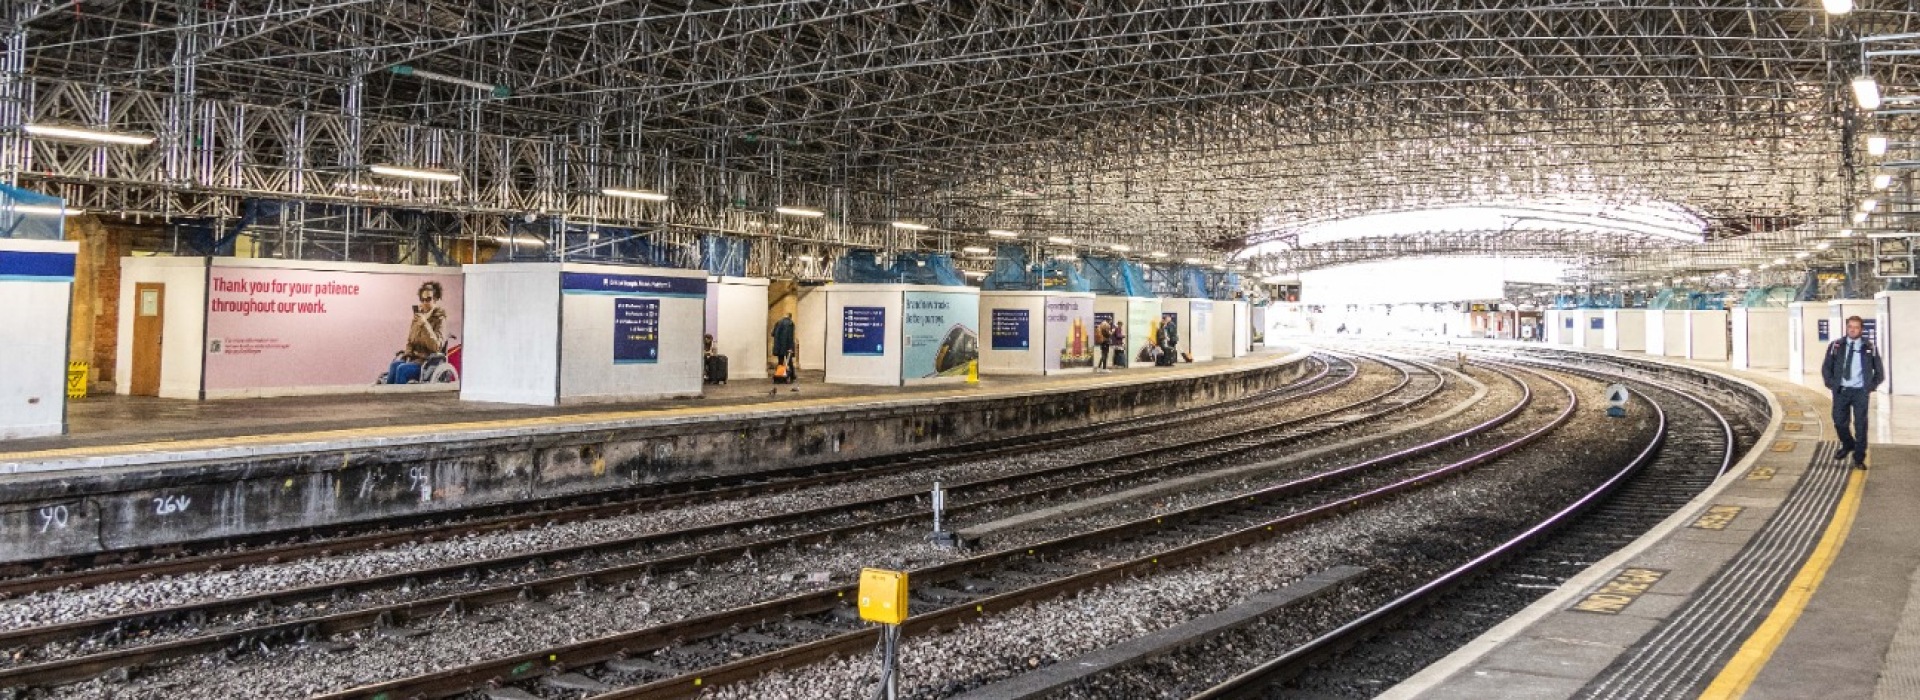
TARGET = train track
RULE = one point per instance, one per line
(1411, 389)
(808, 627)
(1504, 578)
(1330, 372)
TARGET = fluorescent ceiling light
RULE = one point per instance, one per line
(1859, 217)
(974, 273)
(974, 249)
(74, 133)
(799, 211)
(1838, 7)
(1823, 245)
(1193, 261)
(1866, 92)
(634, 194)
(1869, 204)
(1121, 247)
(1802, 255)
(1158, 254)
(1746, 271)
(910, 226)
(998, 233)
(414, 173)
(42, 210)
(1219, 267)
(1876, 145)
(1059, 240)
(1882, 181)
(1846, 233)
(1779, 261)
(806, 258)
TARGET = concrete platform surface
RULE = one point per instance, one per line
(1842, 621)
(100, 427)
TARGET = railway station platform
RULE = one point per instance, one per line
(252, 465)
(1794, 576)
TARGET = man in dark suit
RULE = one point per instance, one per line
(1852, 371)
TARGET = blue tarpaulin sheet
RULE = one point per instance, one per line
(724, 256)
(1011, 273)
(42, 219)
(863, 267)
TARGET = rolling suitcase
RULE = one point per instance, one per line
(716, 369)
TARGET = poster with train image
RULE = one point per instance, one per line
(941, 338)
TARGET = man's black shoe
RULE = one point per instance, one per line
(1860, 465)
(1841, 456)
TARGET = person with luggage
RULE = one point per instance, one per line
(1103, 339)
(786, 367)
(1119, 339)
(1169, 341)
(714, 365)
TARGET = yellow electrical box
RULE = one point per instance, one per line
(883, 596)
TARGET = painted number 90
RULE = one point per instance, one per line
(53, 518)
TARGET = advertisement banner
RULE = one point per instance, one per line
(863, 331)
(1142, 318)
(939, 333)
(1069, 333)
(277, 328)
(636, 331)
(1010, 328)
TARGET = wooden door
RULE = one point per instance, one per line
(149, 318)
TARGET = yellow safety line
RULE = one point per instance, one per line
(1738, 674)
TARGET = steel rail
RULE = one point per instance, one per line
(619, 501)
(526, 666)
(1255, 682)
(120, 626)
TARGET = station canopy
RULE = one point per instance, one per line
(1626, 139)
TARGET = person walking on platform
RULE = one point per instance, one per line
(784, 352)
(1119, 340)
(1852, 371)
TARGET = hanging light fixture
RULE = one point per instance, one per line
(1876, 145)
(81, 134)
(799, 211)
(1837, 7)
(409, 173)
(1882, 181)
(1866, 92)
(634, 194)
(1000, 233)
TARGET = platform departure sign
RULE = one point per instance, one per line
(1010, 329)
(863, 331)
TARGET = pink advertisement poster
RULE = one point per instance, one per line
(276, 328)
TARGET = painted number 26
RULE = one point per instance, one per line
(167, 505)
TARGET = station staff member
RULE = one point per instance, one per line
(1852, 371)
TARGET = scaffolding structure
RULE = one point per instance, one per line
(1193, 128)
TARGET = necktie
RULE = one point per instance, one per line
(1846, 364)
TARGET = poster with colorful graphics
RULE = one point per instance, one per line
(636, 331)
(1069, 326)
(939, 331)
(863, 331)
(1010, 329)
(282, 329)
